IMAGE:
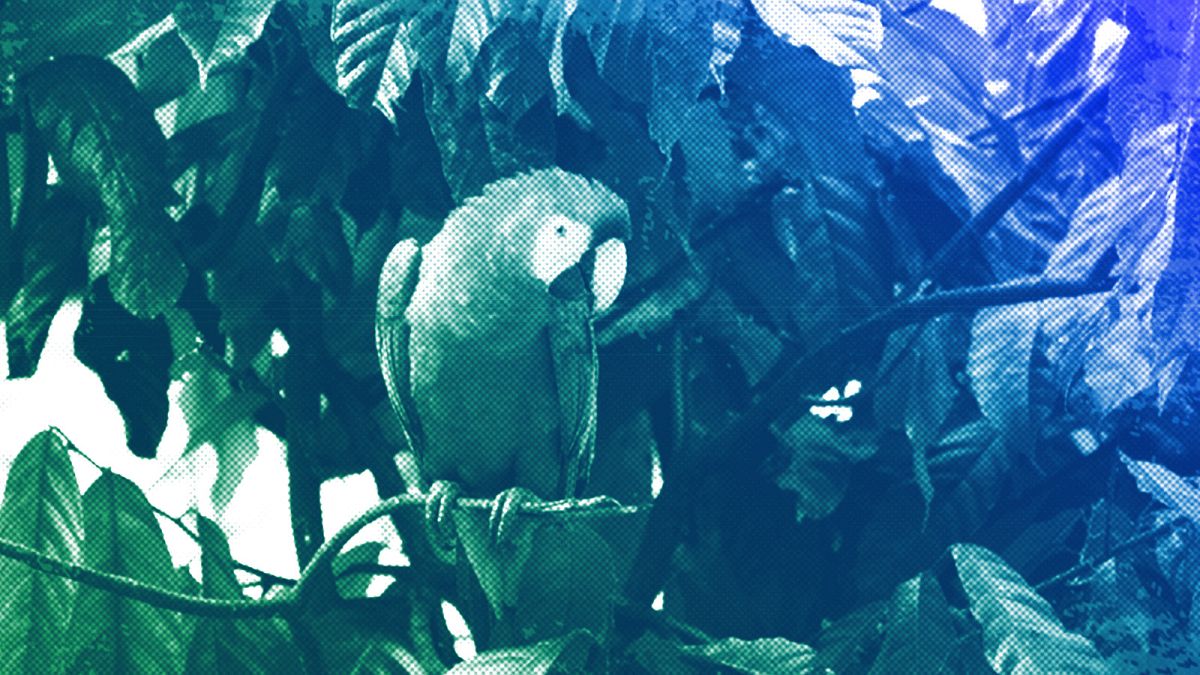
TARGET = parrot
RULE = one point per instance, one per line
(486, 343)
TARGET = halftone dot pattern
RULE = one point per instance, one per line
(768, 336)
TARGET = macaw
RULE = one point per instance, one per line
(486, 344)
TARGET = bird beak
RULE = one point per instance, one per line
(598, 276)
(607, 273)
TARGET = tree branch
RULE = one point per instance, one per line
(316, 577)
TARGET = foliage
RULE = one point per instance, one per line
(909, 327)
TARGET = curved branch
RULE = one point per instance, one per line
(291, 601)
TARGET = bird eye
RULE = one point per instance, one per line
(561, 230)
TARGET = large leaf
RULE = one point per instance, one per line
(107, 146)
(219, 415)
(998, 364)
(572, 653)
(800, 121)
(42, 511)
(133, 357)
(843, 32)
(764, 655)
(231, 645)
(1166, 487)
(1176, 323)
(37, 31)
(822, 457)
(824, 228)
(376, 55)
(1122, 207)
(920, 629)
(219, 34)
(110, 633)
(1021, 633)
(53, 266)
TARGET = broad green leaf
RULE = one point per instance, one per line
(572, 653)
(41, 510)
(218, 34)
(920, 629)
(1120, 208)
(849, 643)
(110, 633)
(37, 31)
(1021, 633)
(229, 645)
(221, 416)
(843, 32)
(107, 147)
(377, 57)
(53, 266)
(764, 655)
(1166, 487)
(1120, 361)
(822, 456)
(998, 365)
(1175, 321)
(933, 393)
(133, 357)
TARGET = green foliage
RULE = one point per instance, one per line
(992, 235)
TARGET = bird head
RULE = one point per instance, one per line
(562, 229)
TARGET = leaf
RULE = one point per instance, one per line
(376, 55)
(218, 415)
(37, 31)
(932, 64)
(110, 633)
(803, 123)
(218, 34)
(843, 32)
(133, 357)
(106, 145)
(933, 393)
(1021, 634)
(377, 660)
(1166, 487)
(53, 266)
(234, 645)
(920, 629)
(41, 511)
(1174, 319)
(1121, 207)
(998, 365)
(822, 456)
(1120, 361)
(823, 227)
(764, 655)
(571, 653)
(849, 643)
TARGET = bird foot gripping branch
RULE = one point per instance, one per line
(504, 509)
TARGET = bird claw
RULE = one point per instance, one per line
(439, 521)
(505, 508)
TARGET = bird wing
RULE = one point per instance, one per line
(575, 362)
(396, 284)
